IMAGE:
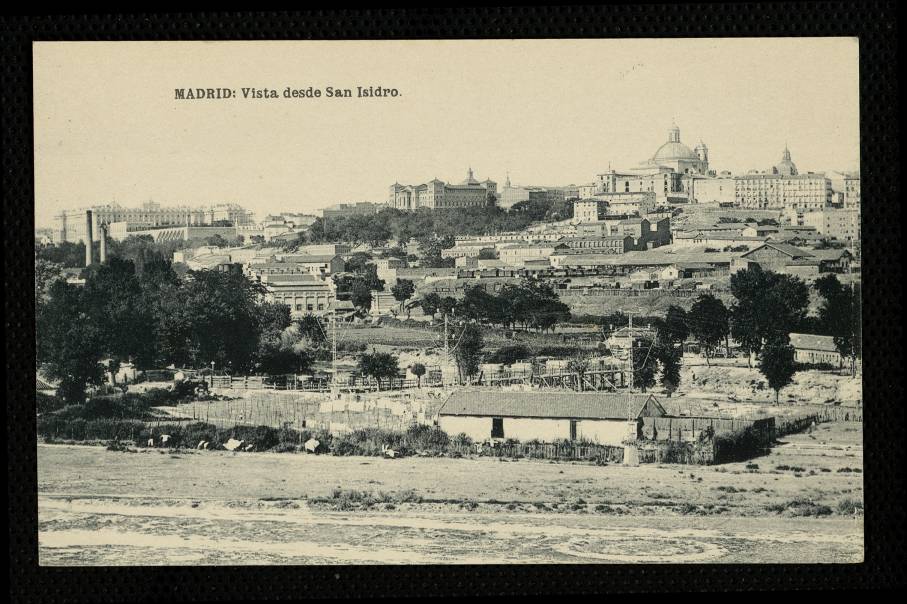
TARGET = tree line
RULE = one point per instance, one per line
(426, 225)
(153, 318)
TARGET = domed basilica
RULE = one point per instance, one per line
(678, 157)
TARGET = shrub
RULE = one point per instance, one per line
(800, 506)
(849, 506)
(507, 355)
(47, 403)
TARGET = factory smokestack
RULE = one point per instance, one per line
(102, 228)
(89, 245)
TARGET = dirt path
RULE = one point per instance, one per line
(99, 507)
(117, 532)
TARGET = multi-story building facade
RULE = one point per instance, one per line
(438, 195)
(852, 193)
(613, 204)
(304, 293)
(782, 187)
(721, 189)
(841, 224)
(70, 224)
(516, 254)
(512, 195)
(777, 191)
(665, 185)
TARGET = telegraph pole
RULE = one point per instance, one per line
(630, 348)
(630, 364)
(335, 384)
(446, 346)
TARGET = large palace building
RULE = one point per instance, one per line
(436, 194)
(70, 224)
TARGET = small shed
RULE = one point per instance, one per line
(547, 416)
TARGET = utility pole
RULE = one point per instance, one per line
(446, 347)
(630, 348)
(630, 364)
(335, 384)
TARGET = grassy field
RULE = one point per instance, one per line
(801, 502)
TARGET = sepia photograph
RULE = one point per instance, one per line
(421, 302)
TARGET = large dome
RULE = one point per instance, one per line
(673, 150)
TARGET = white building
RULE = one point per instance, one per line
(547, 416)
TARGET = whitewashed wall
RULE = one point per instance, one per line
(605, 432)
(476, 428)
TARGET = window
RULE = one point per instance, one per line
(497, 427)
(572, 429)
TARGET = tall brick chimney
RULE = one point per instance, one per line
(102, 232)
(89, 247)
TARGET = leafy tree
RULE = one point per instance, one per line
(488, 253)
(508, 355)
(357, 262)
(645, 363)
(65, 253)
(674, 329)
(46, 273)
(708, 319)
(839, 316)
(403, 290)
(312, 329)
(216, 241)
(361, 295)
(282, 348)
(430, 303)
(777, 363)
(669, 358)
(480, 306)
(114, 300)
(379, 365)
(214, 316)
(447, 305)
(69, 342)
(468, 351)
(767, 304)
(418, 370)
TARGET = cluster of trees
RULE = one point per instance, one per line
(153, 318)
(531, 304)
(358, 282)
(425, 225)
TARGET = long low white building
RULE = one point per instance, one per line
(547, 416)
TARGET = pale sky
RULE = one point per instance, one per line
(549, 112)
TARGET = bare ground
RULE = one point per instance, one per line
(153, 507)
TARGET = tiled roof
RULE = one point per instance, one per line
(808, 341)
(309, 258)
(547, 404)
(785, 248)
(292, 278)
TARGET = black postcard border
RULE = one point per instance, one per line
(875, 23)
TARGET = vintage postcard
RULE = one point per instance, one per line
(448, 302)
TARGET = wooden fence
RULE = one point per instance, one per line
(564, 451)
(688, 429)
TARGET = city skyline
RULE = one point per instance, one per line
(285, 156)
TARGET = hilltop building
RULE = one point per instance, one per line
(436, 194)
